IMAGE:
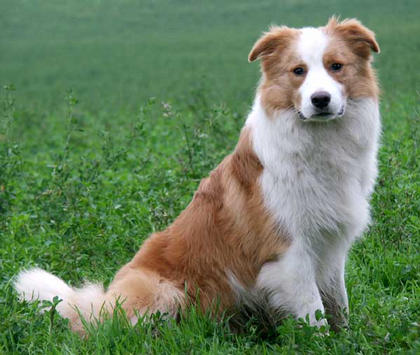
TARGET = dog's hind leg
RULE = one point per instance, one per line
(141, 291)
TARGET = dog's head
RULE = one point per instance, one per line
(314, 71)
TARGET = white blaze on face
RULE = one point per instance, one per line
(311, 48)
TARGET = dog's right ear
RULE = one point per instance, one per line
(275, 39)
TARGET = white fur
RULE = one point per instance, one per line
(311, 46)
(37, 284)
(316, 182)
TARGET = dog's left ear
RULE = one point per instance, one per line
(274, 40)
(360, 38)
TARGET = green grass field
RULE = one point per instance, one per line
(111, 113)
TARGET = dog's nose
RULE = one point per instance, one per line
(320, 99)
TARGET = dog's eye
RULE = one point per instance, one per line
(336, 66)
(299, 70)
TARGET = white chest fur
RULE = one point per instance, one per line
(316, 182)
(317, 177)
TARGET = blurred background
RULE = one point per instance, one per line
(116, 54)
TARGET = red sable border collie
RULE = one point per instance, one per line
(278, 215)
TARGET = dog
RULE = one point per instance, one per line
(278, 216)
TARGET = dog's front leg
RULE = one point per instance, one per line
(291, 285)
(333, 290)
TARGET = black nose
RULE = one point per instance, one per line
(320, 99)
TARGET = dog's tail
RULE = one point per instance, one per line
(38, 284)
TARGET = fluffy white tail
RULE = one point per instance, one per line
(38, 284)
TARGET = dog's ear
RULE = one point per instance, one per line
(275, 39)
(360, 38)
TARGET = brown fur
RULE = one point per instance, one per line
(351, 45)
(276, 50)
(225, 229)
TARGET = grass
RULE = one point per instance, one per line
(112, 111)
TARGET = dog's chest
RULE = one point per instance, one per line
(314, 194)
(315, 176)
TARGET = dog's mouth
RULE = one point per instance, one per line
(322, 116)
